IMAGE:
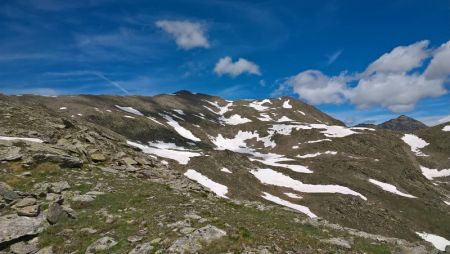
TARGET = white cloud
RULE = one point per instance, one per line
(225, 66)
(317, 88)
(397, 92)
(439, 66)
(391, 81)
(401, 59)
(187, 34)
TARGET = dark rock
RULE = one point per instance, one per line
(7, 192)
(54, 213)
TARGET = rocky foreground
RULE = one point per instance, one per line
(71, 186)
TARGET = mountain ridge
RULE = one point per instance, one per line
(279, 151)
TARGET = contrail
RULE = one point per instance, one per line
(95, 73)
(114, 83)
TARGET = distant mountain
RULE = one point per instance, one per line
(403, 123)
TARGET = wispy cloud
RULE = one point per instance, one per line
(333, 57)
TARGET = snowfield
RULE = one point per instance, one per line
(415, 143)
(37, 140)
(390, 188)
(433, 173)
(180, 129)
(279, 201)
(130, 110)
(167, 150)
(222, 110)
(269, 176)
(219, 189)
(437, 241)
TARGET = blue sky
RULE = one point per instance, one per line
(328, 53)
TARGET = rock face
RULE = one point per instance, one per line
(192, 242)
(13, 226)
(403, 124)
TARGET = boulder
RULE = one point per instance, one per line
(59, 187)
(102, 244)
(13, 226)
(54, 213)
(192, 242)
(10, 154)
(65, 161)
(7, 192)
(25, 202)
(30, 211)
(23, 248)
(145, 248)
(98, 157)
(84, 198)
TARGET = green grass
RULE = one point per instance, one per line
(137, 204)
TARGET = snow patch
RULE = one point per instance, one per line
(219, 189)
(226, 170)
(180, 129)
(130, 110)
(269, 176)
(279, 201)
(318, 141)
(293, 195)
(131, 117)
(312, 155)
(415, 143)
(258, 105)
(264, 118)
(438, 242)
(62, 108)
(284, 119)
(234, 120)
(446, 128)
(179, 111)
(166, 150)
(286, 104)
(433, 173)
(390, 188)
(222, 109)
(154, 120)
(36, 140)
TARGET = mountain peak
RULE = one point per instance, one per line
(403, 123)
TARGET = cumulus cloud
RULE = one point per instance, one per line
(397, 92)
(225, 66)
(439, 66)
(187, 34)
(318, 88)
(392, 81)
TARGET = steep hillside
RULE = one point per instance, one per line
(273, 152)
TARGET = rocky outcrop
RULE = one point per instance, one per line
(194, 241)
